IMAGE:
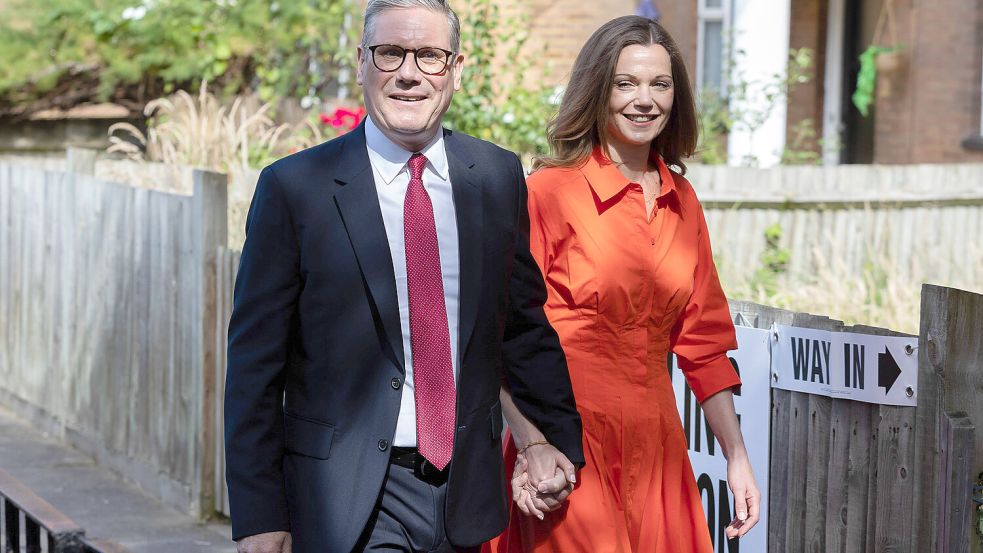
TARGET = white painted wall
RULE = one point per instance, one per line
(833, 84)
(760, 29)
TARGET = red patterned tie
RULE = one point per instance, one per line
(433, 374)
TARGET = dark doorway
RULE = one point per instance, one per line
(858, 131)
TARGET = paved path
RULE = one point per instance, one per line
(99, 500)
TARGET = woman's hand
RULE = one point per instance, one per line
(547, 496)
(747, 498)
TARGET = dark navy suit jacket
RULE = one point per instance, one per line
(315, 354)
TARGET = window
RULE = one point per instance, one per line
(714, 21)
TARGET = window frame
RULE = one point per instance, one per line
(707, 14)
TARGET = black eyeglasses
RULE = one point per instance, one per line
(429, 59)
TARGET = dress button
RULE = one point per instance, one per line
(383, 445)
(395, 383)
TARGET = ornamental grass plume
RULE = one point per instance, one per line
(236, 139)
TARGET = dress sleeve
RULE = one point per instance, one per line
(535, 366)
(704, 332)
(539, 244)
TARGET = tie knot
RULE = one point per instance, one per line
(417, 163)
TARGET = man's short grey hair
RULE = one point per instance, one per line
(375, 7)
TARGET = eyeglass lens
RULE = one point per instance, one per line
(389, 57)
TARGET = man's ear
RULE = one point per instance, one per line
(458, 67)
(359, 64)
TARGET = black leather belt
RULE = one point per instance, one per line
(410, 458)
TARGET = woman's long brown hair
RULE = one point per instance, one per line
(582, 120)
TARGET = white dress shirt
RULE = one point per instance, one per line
(392, 177)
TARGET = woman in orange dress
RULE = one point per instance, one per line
(623, 246)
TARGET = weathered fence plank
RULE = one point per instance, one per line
(227, 265)
(825, 217)
(950, 362)
(956, 508)
(108, 298)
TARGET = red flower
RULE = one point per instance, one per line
(343, 120)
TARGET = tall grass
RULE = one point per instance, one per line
(881, 293)
(202, 132)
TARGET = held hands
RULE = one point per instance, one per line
(270, 542)
(542, 479)
(747, 498)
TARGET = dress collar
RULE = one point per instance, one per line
(607, 181)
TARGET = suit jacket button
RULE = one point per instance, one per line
(383, 445)
(396, 383)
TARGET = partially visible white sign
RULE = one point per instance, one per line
(845, 365)
(753, 405)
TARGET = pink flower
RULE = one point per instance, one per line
(343, 120)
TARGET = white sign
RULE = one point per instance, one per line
(753, 405)
(845, 365)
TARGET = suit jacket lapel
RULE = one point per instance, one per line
(358, 204)
(467, 205)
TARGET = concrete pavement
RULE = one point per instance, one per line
(99, 500)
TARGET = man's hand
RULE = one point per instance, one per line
(747, 498)
(542, 479)
(549, 470)
(270, 542)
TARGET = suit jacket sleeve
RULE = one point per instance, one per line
(535, 365)
(266, 291)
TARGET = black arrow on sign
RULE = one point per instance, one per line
(887, 370)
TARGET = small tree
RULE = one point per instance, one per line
(498, 103)
(747, 105)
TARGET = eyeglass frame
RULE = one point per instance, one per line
(447, 62)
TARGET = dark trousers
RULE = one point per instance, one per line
(409, 517)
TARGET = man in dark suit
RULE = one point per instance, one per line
(385, 292)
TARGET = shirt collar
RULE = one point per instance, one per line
(389, 158)
(607, 181)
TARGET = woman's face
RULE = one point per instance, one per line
(641, 97)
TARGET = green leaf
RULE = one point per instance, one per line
(863, 96)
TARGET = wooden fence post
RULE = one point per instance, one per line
(950, 365)
(210, 231)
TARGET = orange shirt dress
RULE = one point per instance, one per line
(624, 288)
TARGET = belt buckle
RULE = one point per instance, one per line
(428, 472)
(423, 467)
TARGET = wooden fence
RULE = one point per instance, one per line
(922, 222)
(115, 302)
(107, 298)
(849, 476)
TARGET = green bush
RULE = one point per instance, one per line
(63, 52)
(497, 102)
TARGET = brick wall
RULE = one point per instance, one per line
(559, 28)
(805, 102)
(934, 97)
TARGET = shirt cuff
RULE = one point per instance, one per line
(709, 378)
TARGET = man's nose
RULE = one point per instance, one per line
(409, 72)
